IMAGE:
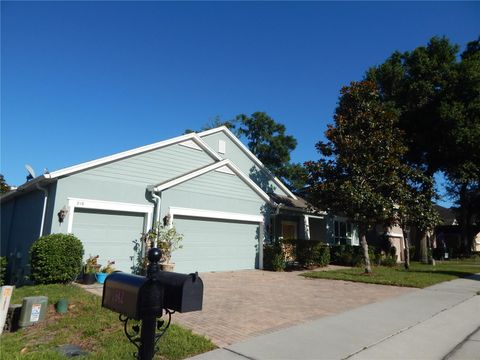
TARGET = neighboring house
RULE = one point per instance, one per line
(208, 185)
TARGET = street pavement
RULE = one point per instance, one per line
(438, 322)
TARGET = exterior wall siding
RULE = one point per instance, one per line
(215, 191)
(244, 163)
(207, 242)
(21, 221)
(126, 180)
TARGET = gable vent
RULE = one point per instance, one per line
(222, 146)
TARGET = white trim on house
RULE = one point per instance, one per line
(249, 154)
(211, 214)
(118, 156)
(189, 176)
(225, 170)
(74, 203)
(47, 177)
(208, 168)
(250, 182)
(191, 144)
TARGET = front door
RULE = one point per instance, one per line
(289, 230)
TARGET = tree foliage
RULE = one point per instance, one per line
(357, 174)
(436, 93)
(268, 141)
(4, 188)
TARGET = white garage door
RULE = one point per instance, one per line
(215, 245)
(110, 234)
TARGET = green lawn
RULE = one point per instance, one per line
(95, 329)
(418, 276)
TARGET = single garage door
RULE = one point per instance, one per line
(110, 234)
(215, 245)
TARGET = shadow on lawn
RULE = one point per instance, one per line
(458, 274)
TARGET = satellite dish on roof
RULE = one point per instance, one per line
(31, 173)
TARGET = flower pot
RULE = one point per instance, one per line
(89, 278)
(101, 277)
(167, 267)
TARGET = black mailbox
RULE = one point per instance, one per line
(183, 293)
(149, 298)
(122, 292)
(134, 295)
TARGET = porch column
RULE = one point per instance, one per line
(306, 221)
(261, 235)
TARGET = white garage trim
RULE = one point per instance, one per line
(173, 211)
(213, 214)
(74, 203)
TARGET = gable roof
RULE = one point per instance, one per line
(249, 154)
(49, 177)
(196, 138)
(205, 169)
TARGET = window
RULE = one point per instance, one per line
(343, 232)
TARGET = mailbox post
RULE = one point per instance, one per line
(147, 298)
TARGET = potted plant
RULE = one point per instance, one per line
(168, 241)
(105, 271)
(89, 269)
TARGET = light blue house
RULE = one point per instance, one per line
(208, 185)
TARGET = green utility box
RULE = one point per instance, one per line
(34, 309)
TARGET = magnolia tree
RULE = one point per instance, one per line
(415, 208)
(357, 173)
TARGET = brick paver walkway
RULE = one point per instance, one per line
(241, 304)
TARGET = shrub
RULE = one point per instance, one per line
(3, 270)
(273, 257)
(311, 253)
(389, 261)
(56, 258)
(350, 255)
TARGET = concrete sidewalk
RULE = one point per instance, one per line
(438, 322)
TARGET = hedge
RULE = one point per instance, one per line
(56, 258)
(350, 255)
(309, 253)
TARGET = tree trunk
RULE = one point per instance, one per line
(363, 242)
(423, 248)
(464, 219)
(431, 260)
(406, 251)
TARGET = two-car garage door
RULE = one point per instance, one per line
(208, 244)
(215, 245)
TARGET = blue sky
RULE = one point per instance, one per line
(81, 80)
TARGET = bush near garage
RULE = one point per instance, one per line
(273, 257)
(56, 258)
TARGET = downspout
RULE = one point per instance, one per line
(275, 237)
(156, 211)
(45, 199)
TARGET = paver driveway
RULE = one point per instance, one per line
(241, 304)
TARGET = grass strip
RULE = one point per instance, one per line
(419, 275)
(87, 324)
